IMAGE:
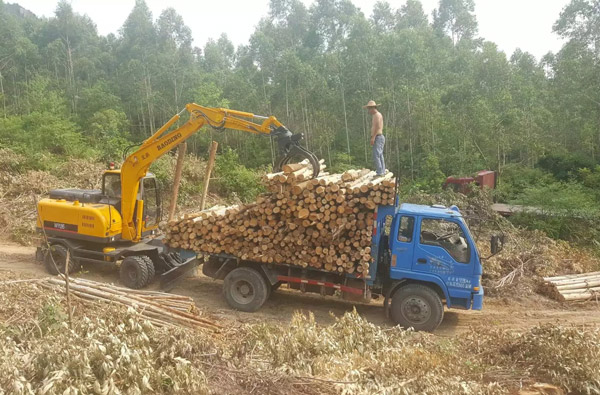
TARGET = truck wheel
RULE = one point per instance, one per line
(245, 289)
(134, 272)
(57, 254)
(417, 306)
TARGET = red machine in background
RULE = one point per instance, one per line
(484, 178)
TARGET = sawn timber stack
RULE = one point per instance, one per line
(325, 222)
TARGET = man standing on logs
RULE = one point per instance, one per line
(377, 137)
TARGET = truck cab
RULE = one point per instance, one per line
(428, 258)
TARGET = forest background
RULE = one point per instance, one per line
(453, 103)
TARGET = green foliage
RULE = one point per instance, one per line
(565, 166)
(591, 179)
(516, 178)
(192, 176)
(432, 178)
(565, 211)
(41, 132)
(233, 180)
(341, 162)
(452, 102)
(50, 317)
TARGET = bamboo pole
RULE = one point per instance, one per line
(67, 261)
(154, 308)
(209, 167)
(177, 179)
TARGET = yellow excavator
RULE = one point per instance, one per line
(120, 221)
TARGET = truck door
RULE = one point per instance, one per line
(443, 248)
(401, 242)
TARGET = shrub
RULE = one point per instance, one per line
(42, 132)
(341, 162)
(515, 178)
(432, 178)
(564, 166)
(562, 210)
(234, 179)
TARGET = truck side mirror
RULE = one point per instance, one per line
(496, 244)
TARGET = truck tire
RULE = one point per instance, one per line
(134, 272)
(57, 254)
(417, 306)
(245, 289)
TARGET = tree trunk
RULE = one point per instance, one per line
(148, 89)
(287, 102)
(3, 95)
(410, 139)
(71, 76)
(345, 120)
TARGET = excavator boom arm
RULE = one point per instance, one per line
(137, 164)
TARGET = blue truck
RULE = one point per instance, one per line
(423, 257)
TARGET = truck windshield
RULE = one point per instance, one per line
(448, 235)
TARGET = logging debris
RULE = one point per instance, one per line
(324, 222)
(161, 309)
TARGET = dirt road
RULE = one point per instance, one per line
(497, 313)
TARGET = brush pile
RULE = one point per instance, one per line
(324, 222)
(110, 349)
(162, 309)
(584, 286)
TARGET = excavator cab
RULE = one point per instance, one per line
(148, 192)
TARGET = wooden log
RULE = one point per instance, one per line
(177, 179)
(289, 168)
(209, 167)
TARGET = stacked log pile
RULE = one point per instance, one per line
(324, 222)
(584, 286)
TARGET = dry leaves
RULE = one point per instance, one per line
(112, 350)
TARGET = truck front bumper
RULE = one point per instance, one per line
(478, 300)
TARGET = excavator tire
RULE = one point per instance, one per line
(151, 268)
(171, 261)
(176, 257)
(134, 272)
(56, 258)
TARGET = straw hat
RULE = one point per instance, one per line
(371, 103)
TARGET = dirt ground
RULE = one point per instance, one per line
(501, 313)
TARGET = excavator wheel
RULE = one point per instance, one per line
(134, 272)
(172, 260)
(176, 257)
(56, 258)
(151, 269)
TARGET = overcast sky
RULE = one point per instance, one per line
(525, 24)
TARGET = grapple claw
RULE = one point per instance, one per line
(291, 151)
